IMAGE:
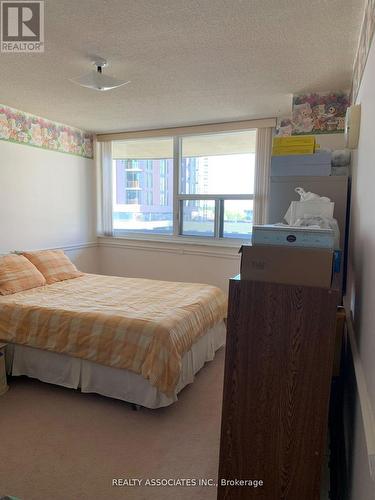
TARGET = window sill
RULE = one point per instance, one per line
(175, 244)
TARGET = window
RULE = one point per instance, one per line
(199, 185)
(216, 185)
(142, 177)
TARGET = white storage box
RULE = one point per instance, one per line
(308, 237)
(318, 164)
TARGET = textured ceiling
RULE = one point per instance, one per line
(189, 61)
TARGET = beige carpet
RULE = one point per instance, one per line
(59, 444)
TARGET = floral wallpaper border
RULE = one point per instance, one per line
(366, 36)
(316, 113)
(24, 128)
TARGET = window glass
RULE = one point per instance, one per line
(198, 218)
(218, 163)
(214, 190)
(143, 185)
(238, 218)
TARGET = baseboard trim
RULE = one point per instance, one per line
(77, 246)
(68, 248)
(368, 417)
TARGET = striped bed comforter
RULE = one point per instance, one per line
(142, 325)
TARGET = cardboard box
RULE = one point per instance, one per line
(293, 145)
(287, 265)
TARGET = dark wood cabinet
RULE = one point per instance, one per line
(278, 367)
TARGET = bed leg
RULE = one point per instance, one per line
(136, 407)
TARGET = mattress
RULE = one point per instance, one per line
(144, 326)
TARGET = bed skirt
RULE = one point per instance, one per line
(60, 369)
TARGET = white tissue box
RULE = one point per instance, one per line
(301, 236)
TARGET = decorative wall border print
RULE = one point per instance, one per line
(316, 113)
(24, 128)
(365, 39)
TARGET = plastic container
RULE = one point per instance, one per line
(318, 164)
(300, 236)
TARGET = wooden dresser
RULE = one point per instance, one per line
(278, 368)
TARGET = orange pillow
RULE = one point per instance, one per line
(18, 274)
(53, 264)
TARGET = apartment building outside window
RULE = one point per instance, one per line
(198, 186)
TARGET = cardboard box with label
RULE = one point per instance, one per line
(287, 265)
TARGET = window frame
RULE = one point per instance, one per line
(178, 199)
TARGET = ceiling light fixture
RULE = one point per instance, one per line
(96, 80)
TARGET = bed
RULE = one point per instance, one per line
(136, 340)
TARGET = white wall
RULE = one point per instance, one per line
(168, 261)
(47, 200)
(362, 272)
